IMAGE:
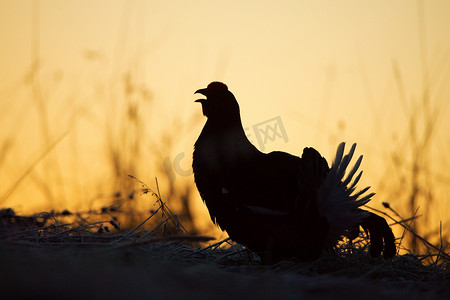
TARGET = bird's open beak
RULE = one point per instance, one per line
(203, 92)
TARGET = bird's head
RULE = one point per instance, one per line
(220, 103)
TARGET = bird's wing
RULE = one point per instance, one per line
(276, 197)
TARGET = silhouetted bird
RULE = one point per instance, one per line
(278, 205)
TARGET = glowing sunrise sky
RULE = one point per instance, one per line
(325, 67)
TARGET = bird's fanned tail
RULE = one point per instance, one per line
(336, 197)
(339, 203)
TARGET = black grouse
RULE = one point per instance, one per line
(278, 205)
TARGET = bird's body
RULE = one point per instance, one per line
(278, 205)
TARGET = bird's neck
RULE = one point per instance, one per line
(225, 124)
(229, 126)
(228, 135)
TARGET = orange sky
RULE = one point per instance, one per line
(324, 67)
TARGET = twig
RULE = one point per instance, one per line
(136, 228)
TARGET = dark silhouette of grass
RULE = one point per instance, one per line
(149, 258)
(78, 227)
(410, 176)
(412, 160)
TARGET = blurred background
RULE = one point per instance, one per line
(94, 91)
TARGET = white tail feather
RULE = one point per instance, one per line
(353, 171)
(356, 180)
(335, 199)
